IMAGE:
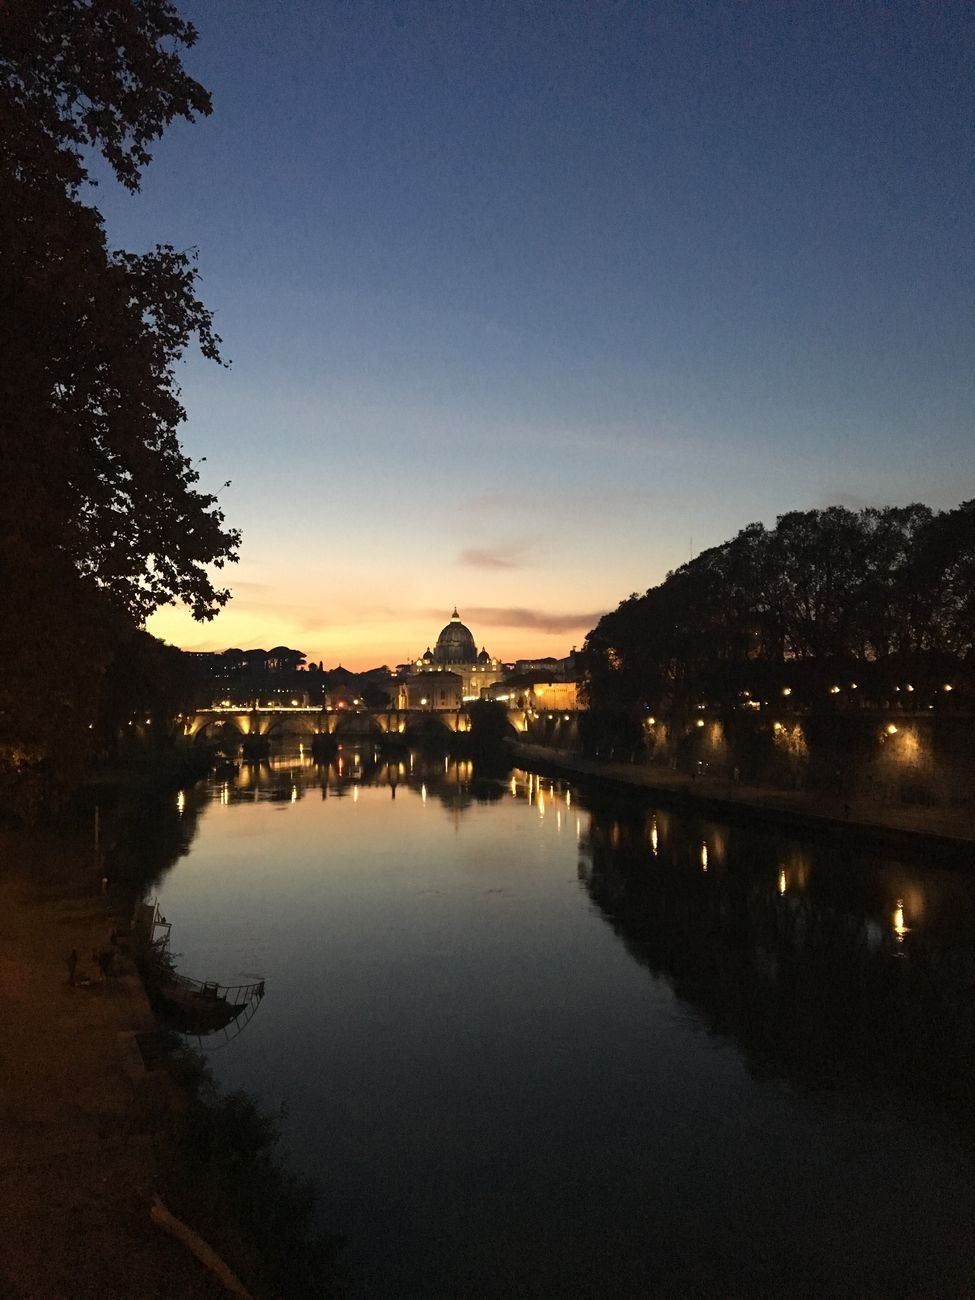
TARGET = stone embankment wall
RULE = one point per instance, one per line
(896, 757)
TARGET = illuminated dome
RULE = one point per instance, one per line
(455, 644)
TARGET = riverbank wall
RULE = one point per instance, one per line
(898, 755)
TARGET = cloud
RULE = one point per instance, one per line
(534, 619)
(511, 555)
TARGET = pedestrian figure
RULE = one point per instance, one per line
(72, 964)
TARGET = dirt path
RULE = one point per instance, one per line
(80, 1144)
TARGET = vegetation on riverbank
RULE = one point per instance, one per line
(101, 518)
(230, 1181)
(84, 1150)
(830, 607)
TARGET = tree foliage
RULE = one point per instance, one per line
(100, 509)
(879, 597)
(89, 401)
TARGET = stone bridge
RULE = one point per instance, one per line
(297, 720)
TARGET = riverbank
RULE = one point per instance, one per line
(83, 1143)
(948, 832)
(101, 1113)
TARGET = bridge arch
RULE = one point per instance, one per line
(363, 726)
(286, 724)
(214, 729)
(429, 725)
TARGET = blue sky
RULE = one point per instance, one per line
(527, 301)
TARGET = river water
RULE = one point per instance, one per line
(535, 1042)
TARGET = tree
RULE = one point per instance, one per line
(882, 596)
(99, 506)
(281, 661)
(89, 402)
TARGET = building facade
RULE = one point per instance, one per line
(456, 653)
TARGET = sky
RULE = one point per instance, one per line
(526, 302)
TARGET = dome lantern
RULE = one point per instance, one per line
(455, 644)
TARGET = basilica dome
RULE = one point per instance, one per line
(455, 644)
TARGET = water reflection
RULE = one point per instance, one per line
(289, 778)
(641, 1059)
(790, 949)
(147, 831)
(785, 946)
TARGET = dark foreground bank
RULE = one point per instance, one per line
(101, 1117)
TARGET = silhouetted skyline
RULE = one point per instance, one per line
(525, 302)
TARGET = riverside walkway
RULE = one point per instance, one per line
(82, 1143)
(944, 827)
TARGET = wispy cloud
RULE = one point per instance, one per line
(536, 620)
(507, 555)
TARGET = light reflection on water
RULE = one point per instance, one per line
(645, 1059)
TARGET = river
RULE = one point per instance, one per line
(535, 1042)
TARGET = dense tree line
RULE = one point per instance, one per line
(830, 607)
(244, 677)
(101, 517)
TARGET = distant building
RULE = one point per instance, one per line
(526, 691)
(425, 690)
(549, 668)
(456, 653)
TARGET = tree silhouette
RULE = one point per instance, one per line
(99, 507)
(880, 597)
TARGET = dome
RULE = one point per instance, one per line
(483, 657)
(455, 644)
